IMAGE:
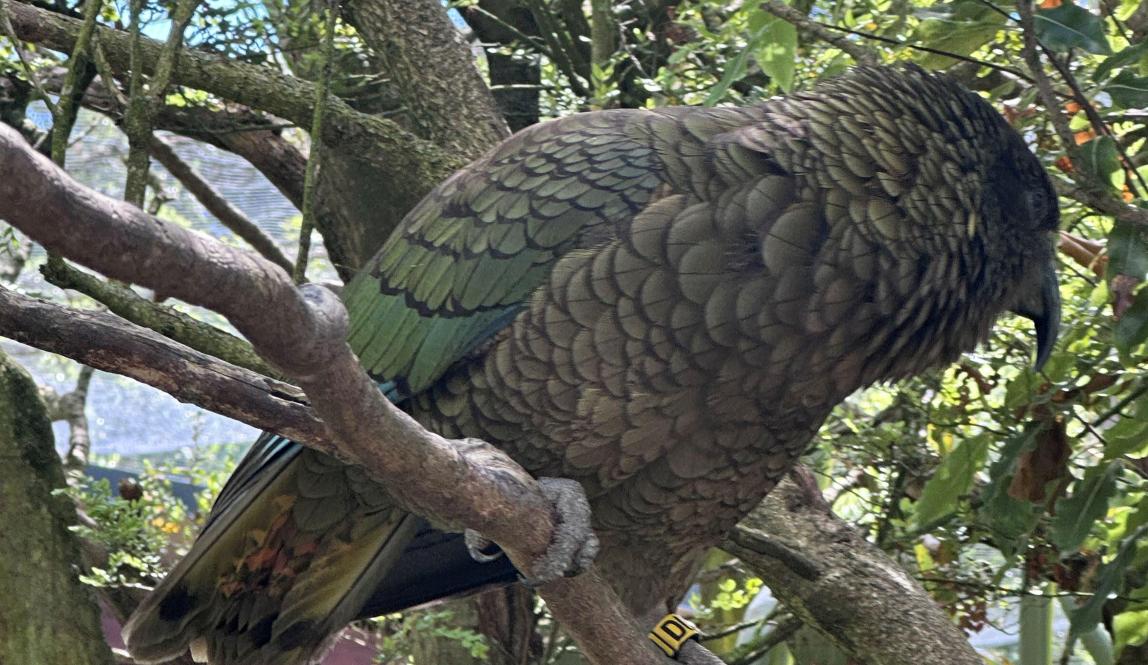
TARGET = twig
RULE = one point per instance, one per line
(29, 71)
(108, 343)
(1094, 118)
(168, 322)
(779, 634)
(927, 49)
(142, 107)
(557, 53)
(783, 11)
(227, 214)
(64, 117)
(79, 436)
(1103, 201)
(1043, 86)
(310, 177)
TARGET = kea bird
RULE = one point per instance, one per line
(662, 305)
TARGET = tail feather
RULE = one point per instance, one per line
(293, 549)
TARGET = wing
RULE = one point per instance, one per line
(468, 256)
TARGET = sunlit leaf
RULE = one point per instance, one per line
(952, 479)
(1099, 157)
(775, 50)
(959, 28)
(1125, 57)
(734, 71)
(1131, 628)
(1071, 26)
(1128, 250)
(1129, 436)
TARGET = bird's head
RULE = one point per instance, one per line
(957, 215)
(1021, 204)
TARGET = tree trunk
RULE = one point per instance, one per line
(39, 557)
(433, 70)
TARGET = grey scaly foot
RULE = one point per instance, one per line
(573, 545)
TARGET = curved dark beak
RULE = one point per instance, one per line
(1042, 306)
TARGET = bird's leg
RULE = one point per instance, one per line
(573, 544)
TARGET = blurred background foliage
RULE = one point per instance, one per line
(1016, 496)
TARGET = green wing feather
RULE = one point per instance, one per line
(476, 248)
(473, 251)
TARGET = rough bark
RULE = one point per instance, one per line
(828, 574)
(302, 331)
(39, 557)
(169, 322)
(110, 344)
(433, 70)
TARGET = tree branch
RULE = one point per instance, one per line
(110, 344)
(302, 332)
(409, 162)
(38, 553)
(168, 322)
(221, 208)
(860, 598)
(432, 97)
(861, 54)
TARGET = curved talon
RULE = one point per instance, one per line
(482, 550)
(573, 545)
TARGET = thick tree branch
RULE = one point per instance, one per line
(302, 332)
(38, 553)
(108, 343)
(433, 68)
(1103, 201)
(842, 584)
(164, 320)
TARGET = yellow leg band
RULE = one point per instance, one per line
(671, 633)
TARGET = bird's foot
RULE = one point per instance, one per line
(573, 544)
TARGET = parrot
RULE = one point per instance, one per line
(662, 305)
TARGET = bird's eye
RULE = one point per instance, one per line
(1041, 208)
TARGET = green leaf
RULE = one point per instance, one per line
(1131, 628)
(1127, 250)
(1071, 26)
(959, 28)
(1128, 90)
(734, 71)
(1132, 328)
(1100, 158)
(1125, 57)
(775, 51)
(1009, 519)
(952, 479)
(1129, 436)
(1109, 579)
(1076, 514)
